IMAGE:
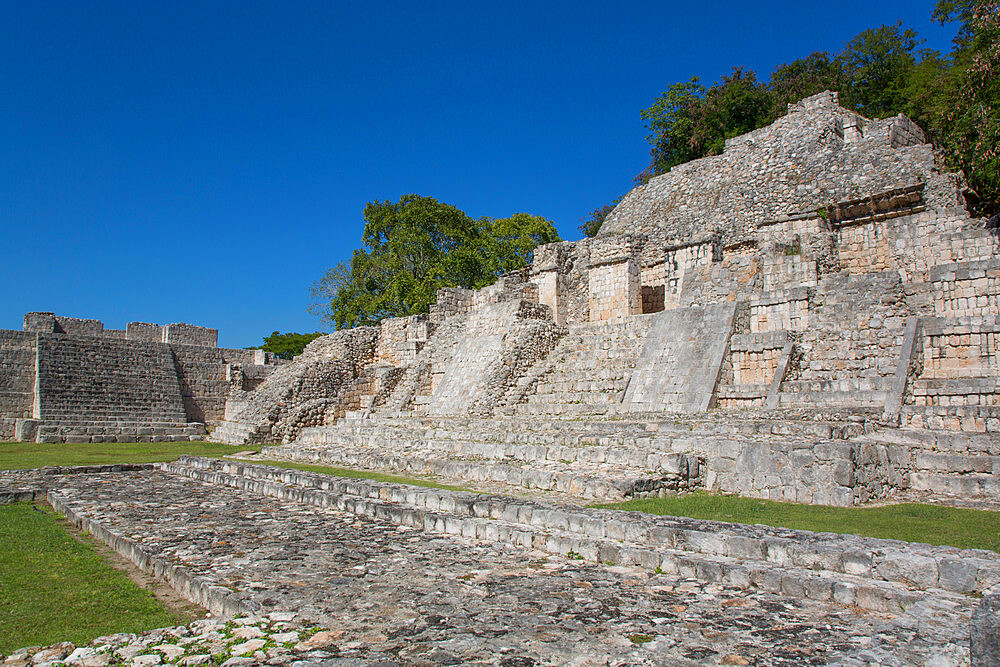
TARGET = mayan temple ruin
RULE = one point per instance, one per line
(809, 316)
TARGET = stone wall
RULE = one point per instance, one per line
(17, 378)
(401, 339)
(177, 334)
(90, 383)
(203, 380)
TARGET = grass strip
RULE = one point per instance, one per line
(911, 522)
(56, 588)
(356, 474)
(22, 455)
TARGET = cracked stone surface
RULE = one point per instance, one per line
(403, 596)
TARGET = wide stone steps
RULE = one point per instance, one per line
(941, 465)
(591, 481)
(849, 393)
(567, 410)
(414, 444)
(587, 371)
(87, 431)
(595, 397)
(552, 431)
(878, 575)
(114, 415)
(581, 470)
(609, 459)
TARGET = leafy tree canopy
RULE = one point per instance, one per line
(287, 345)
(414, 247)
(881, 72)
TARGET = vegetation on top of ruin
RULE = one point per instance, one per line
(413, 248)
(882, 72)
(287, 345)
(910, 522)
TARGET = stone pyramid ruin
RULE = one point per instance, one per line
(810, 315)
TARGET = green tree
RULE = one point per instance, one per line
(412, 248)
(972, 136)
(287, 345)
(876, 68)
(511, 242)
(802, 78)
(590, 225)
(670, 123)
(879, 73)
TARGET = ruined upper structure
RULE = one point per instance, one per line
(69, 379)
(819, 153)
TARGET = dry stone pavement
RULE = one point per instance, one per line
(396, 595)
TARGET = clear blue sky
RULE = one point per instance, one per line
(205, 162)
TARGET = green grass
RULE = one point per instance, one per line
(55, 588)
(21, 455)
(912, 522)
(356, 474)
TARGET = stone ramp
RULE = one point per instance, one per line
(679, 366)
(481, 575)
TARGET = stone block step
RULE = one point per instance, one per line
(578, 479)
(831, 399)
(334, 437)
(879, 575)
(654, 433)
(569, 397)
(565, 410)
(965, 486)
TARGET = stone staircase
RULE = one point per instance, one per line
(591, 459)
(849, 392)
(588, 371)
(108, 390)
(872, 574)
(589, 468)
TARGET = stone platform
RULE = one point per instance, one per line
(415, 575)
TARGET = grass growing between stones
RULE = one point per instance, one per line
(56, 588)
(22, 455)
(356, 474)
(912, 522)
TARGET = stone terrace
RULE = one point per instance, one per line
(419, 575)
